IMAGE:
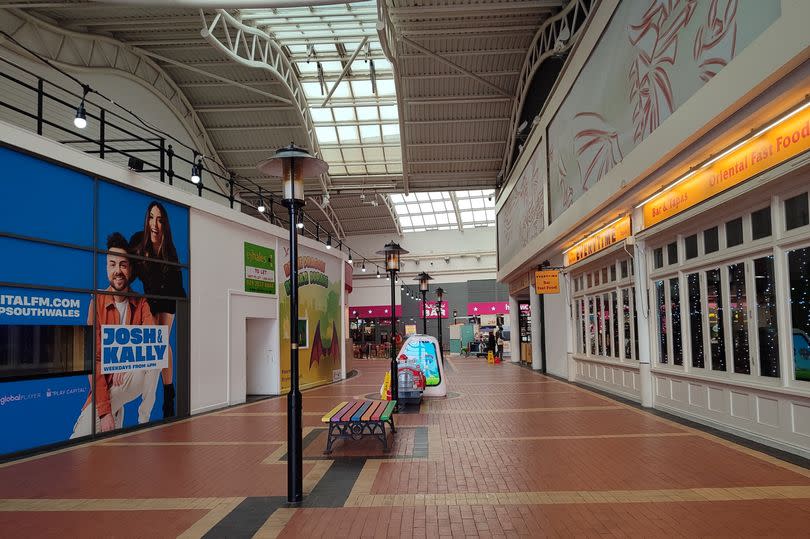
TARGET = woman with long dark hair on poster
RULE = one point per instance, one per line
(160, 279)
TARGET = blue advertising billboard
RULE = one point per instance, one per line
(74, 331)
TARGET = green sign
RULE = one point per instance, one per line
(260, 269)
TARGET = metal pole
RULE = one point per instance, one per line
(424, 312)
(295, 488)
(439, 313)
(542, 334)
(101, 124)
(394, 369)
(40, 94)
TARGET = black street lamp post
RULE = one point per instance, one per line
(440, 295)
(392, 252)
(424, 281)
(292, 164)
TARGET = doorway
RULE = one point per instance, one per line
(263, 371)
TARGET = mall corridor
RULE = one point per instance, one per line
(509, 452)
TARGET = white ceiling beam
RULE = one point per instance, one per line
(241, 108)
(457, 100)
(485, 52)
(485, 7)
(216, 77)
(458, 213)
(346, 69)
(261, 15)
(459, 121)
(238, 129)
(389, 205)
(457, 67)
(332, 219)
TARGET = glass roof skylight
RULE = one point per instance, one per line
(441, 210)
(358, 128)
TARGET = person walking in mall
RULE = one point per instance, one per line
(491, 342)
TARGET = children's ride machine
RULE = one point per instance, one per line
(421, 372)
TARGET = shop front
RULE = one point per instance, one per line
(603, 302)
(727, 249)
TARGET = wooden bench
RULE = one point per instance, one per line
(358, 418)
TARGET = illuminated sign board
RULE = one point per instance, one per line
(783, 139)
(599, 241)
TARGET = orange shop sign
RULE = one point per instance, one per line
(599, 240)
(773, 145)
(547, 281)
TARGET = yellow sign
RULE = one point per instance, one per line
(771, 147)
(547, 281)
(410, 329)
(602, 239)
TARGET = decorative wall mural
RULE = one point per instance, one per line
(522, 217)
(653, 56)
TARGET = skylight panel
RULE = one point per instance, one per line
(307, 68)
(477, 202)
(390, 133)
(464, 204)
(370, 133)
(311, 89)
(422, 197)
(467, 217)
(367, 113)
(418, 220)
(430, 219)
(410, 197)
(320, 115)
(426, 207)
(326, 135)
(348, 133)
(362, 88)
(404, 221)
(480, 216)
(396, 198)
(413, 208)
(389, 112)
(386, 87)
(343, 114)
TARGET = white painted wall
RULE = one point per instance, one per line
(557, 324)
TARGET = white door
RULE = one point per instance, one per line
(262, 359)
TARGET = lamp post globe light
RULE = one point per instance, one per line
(292, 164)
(424, 281)
(392, 252)
(440, 295)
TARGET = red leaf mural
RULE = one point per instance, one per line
(656, 41)
(716, 39)
(597, 147)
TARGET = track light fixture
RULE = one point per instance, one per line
(300, 223)
(80, 121)
(350, 257)
(363, 269)
(329, 241)
(261, 207)
(196, 170)
(378, 273)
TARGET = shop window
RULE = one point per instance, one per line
(739, 318)
(714, 302)
(672, 253)
(604, 275)
(596, 278)
(606, 324)
(627, 325)
(767, 327)
(614, 314)
(583, 314)
(600, 338)
(734, 232)
(799, 272)
(612, 273)
(590, 282)
(635, 323)
(690, 244)
(711, 240)
(623, 268)
(761, 223)
(576, 285)
(675, 314)
(796, 213)
(661, 302)
(658, 258)
(592, 325)
(695, 320)
(31, 350)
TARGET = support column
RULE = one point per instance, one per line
(514, 325)
(537, 340)
(643, 333)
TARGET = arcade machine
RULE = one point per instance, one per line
(421, 352)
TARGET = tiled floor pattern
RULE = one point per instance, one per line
(510, 453)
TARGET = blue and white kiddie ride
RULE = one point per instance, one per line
(422, 352)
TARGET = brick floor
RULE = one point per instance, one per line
(508, 453)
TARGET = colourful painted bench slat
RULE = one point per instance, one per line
(342, 411)
(359, 413)
(386, 415)
(348, 415)
(371, 409)
(333, 411)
